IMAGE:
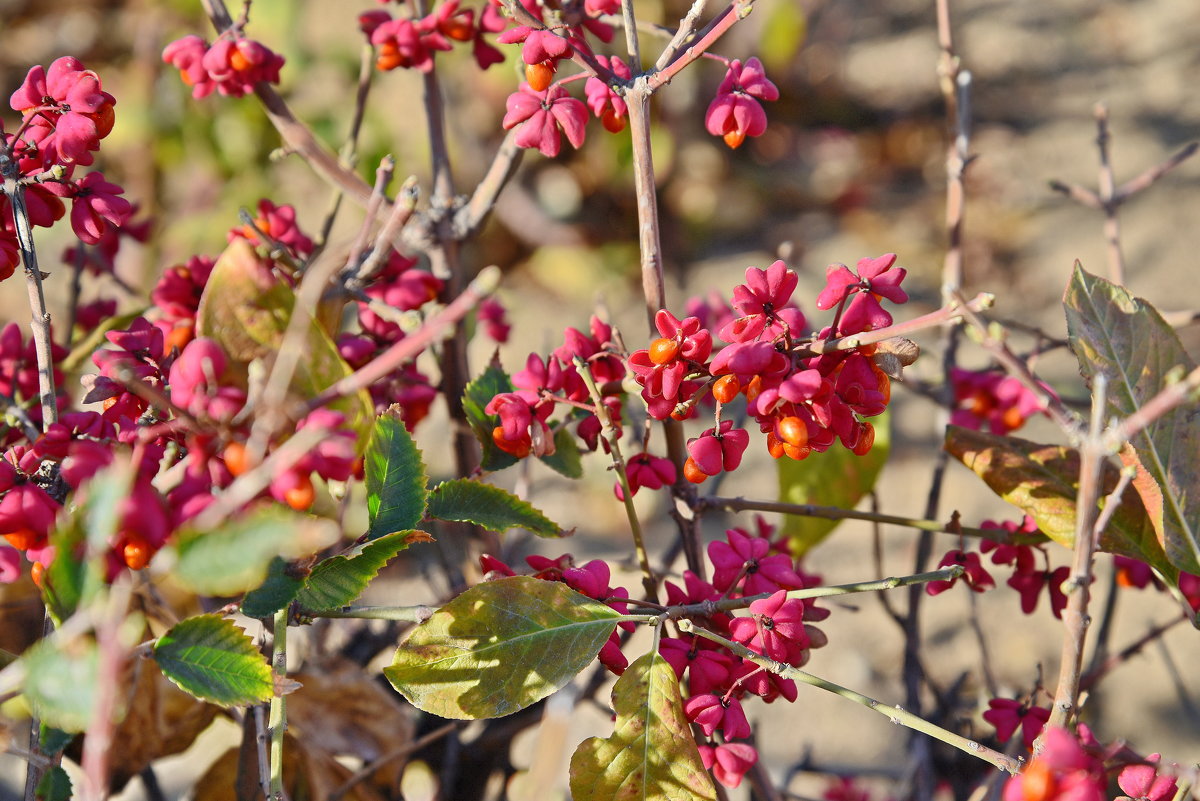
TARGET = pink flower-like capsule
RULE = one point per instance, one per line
(976, 577)
(735, 113)
(408, 44)
(71, 110)
(1064, 771)
(236, 65)
(711, 712)
(96, 205)
(494, 318)
(989, 397)
(742, 555)
(543, 116)
(26, 516)
(279, 223)
(714, 451)
(644, 470)
(1142, 782)
(874, 278)
(608, 106)
(776, 629)
(195, 382)
(1007, 714)
(187, 55)
(729, 762)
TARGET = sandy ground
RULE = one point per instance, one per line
(855, 166)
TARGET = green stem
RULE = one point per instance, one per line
(403, 614)
(649, 582)
(277, 720)
(837, 513)
(893, 713)
(707, 608)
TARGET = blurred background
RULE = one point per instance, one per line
(852, 165)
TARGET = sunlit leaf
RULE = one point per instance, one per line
(60, 681)
(469, 501)
(652, 753)
(214, 660)
(54, 786)
(235, 557)
(246, 308)
(499, 647)
(838, 477)
(1125, 339)
(276, 592)
(339, 580)
(395, 477)
(566, 457)
(492, 382)
(1043, 481)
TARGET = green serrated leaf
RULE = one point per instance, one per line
(211, 658)
(499, 647)
(1043, 481)
(52, 740)
(468, 501)
(652, 754)
(477, 395)
(275, 593)
(1125, 339)
(566, 458)
(60, 682)
(54, 786)
(235, 558)
(80, 543)
(395, 477)
(339, 580)
(837, 477)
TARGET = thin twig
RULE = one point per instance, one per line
(409, 347)
(612, 436)
(1077, 587)
(296, 134)
(39, 322)
(837, 513)
(951, 312)
(687, 27)
(732, 14)
(277, 719)
(470, 217)
(893, 713)
(1112, 226)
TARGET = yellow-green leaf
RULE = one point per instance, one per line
(837, 477)
(1126, 340)
(651, 755)
(499, 647)
(1043, 481)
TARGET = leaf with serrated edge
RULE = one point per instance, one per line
(60, 682)
(566, 458)
(395, 477)
(499, 647)
(339, 580)
(837, 477)
(651, 755)
(1043, 481)
(214, 660)
(276, 592)
(1125, 339)
(496, 509)
(476, 396)
(235, 558)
